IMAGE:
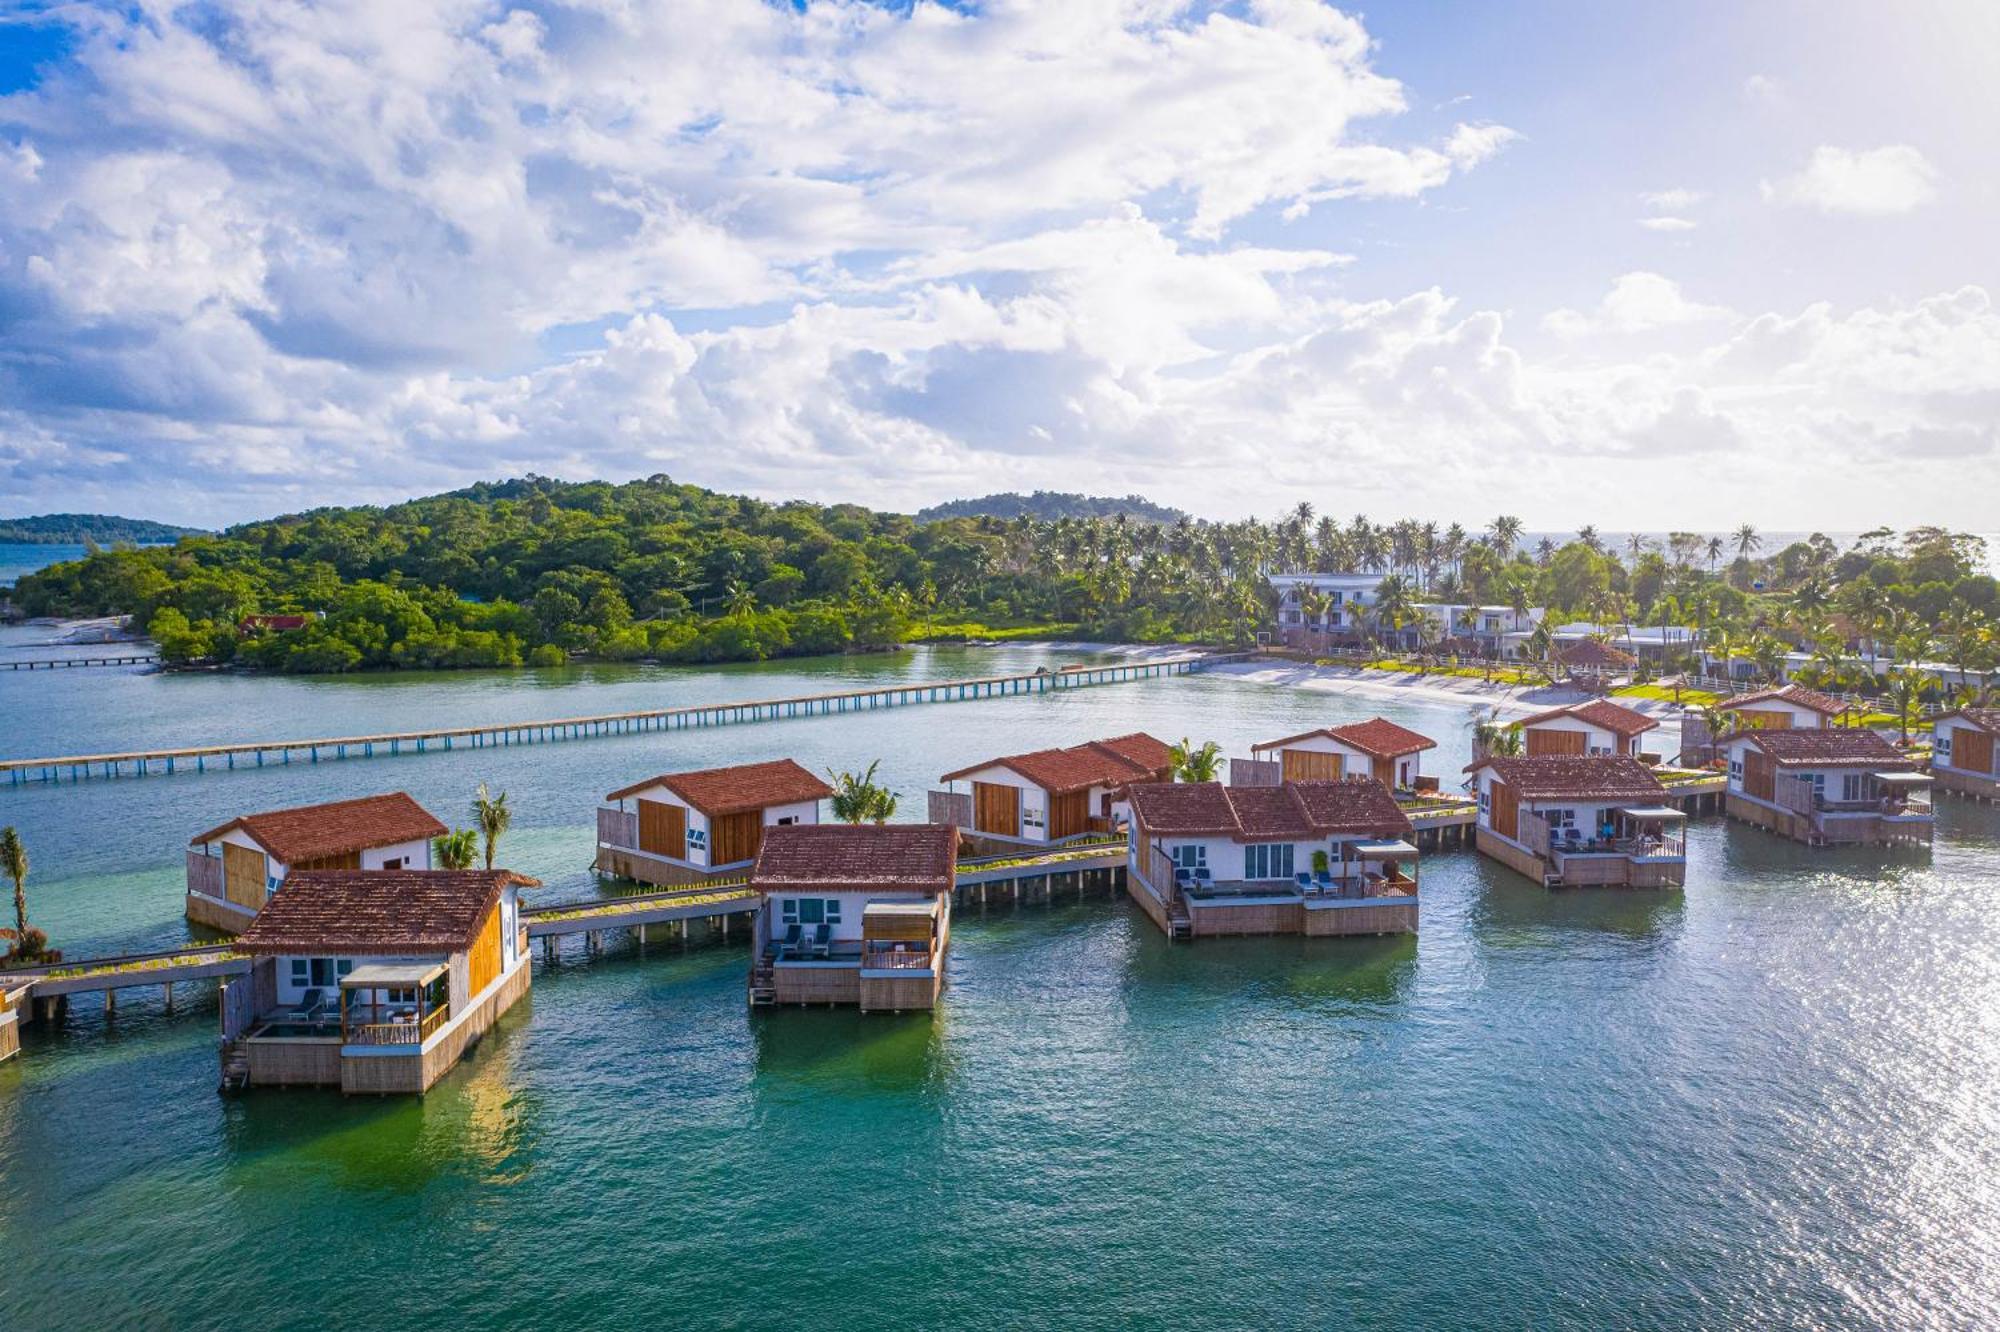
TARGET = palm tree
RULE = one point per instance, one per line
(738, 600)
(1493, 738)
(1714, 551)
(493, 817)
(1504, 533)
(14, 864)
(1394, 601)
(1747, 542)
(1190, 763)
(456, 850)
(1590, 541)
(859, 798)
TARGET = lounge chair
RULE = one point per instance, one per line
(1324, 879)
(1305, 881)
(794, 938)
(822, 941)
(1202, 878)
(311, 1004)
(1183, 877)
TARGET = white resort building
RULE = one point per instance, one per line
(689, 827)
(1575, 820)
(1049, 796)
(1378, 748)
(1313, 857)
(1962, 752)
(1825, 786)
(853, 914)
(234, 868)
(1594, 728)
(374, 981)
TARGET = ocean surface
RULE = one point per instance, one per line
(1771, 1100)
(22, 557)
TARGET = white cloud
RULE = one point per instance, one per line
(1637, 303)
(1668, 223)
(1873, 181)
(1676, 200)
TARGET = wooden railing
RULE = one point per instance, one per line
(1256, 772)
(953, 808)
(1532, 831)
(617, 827)
(875, 957)
(391, 1033)
(204, 874)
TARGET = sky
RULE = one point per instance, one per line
(1637, 265)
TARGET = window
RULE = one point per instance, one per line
(1191, 856)
(697, 839)
(788, 820)
(1736, 769)
(1559, 818)
(809, 910)
(1031, 816)
(394, 864)
(1942, 749)
(299, 970)
(1851, 787)
(1267, 860)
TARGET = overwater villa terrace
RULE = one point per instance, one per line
(1311, 857)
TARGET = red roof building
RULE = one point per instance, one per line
(1377, 748)
(681, 827)
(1052, 795)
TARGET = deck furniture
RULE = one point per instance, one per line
(793, 942)
(822, 941)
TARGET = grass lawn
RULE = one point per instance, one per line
(1694, 698)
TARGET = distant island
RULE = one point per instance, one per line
(1047, 505)
(103, 529)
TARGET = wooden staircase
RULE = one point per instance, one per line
(1180, 925)
(763, 983)
(235, 1067)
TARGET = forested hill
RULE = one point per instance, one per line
(538, 571)
(1047, 505)
(74, 529)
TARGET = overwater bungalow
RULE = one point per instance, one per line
(374, 981)
(233, 869)
(1785, 707)
(1378, 748)
(1049, 796)
(1311, 857)
(853, 914)
(1597, 727)
(1962, 752)
(1843, 784)
(688, 827)
(1580, 820)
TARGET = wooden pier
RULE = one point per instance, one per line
(62, 663)
(200, 758)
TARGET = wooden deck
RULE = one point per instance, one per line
(198, 758)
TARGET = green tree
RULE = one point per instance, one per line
(456, 850)
(859, 798)
(493, 816)
(1195, 763)
(14, 864)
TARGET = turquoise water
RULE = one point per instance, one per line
(1771, 1100)
(21, 557)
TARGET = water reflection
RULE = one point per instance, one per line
(842, 1051)
(1514, 912)
(1311, 973)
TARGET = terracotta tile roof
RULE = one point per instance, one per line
(1378, 737)
(314, 832)
(734, 790)
(903, 857)
(377, 912)
(1576, 777)
(1791, 693)
(1137, 757)
(1299, 811)
(1986, 719)
(1600, 713)
(1832, 747)
(1591, 652)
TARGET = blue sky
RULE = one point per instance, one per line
(1635, 264)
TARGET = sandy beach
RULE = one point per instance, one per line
(1410, 685)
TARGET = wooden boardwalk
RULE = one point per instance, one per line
(61, 663)
(200, 758)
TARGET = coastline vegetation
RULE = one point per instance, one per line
(540, 572)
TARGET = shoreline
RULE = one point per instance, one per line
(1413, 686)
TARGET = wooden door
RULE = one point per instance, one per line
(735, 837)
(484, 963)
(1757, 720)
(1547, 743)
(1068, 814)
(996, 809)
(243, 875)
(1309, 765)
(1972, 751)
(663, 829)
(1384, 772)
(1759, 774)
(1503, 809)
